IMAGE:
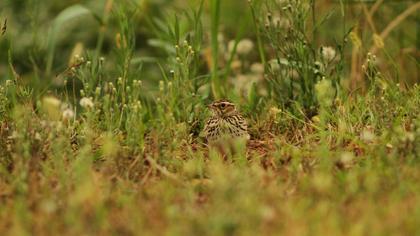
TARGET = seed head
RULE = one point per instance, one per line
(86, 103)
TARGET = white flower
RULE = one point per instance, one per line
(367, 135)
(38, 136)
(257, 68)
(244, 46)
(86, 102)
(280, 22)
(68, 114)
(328, 53)
(236, 66)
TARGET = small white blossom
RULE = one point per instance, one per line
(86, 102)
(244, 46)
(328, 53)
(236, 65)
(257, 68)
(38, 136)
(280, 22)
(68, 114)
(367, 135)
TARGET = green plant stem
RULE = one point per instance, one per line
(258, 35)
(215, 79)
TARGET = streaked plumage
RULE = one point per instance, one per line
(225, 122)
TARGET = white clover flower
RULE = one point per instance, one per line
(244, 46)
(280, 22)
(236, 65)
(68, 114)
(367, 135)
(257, 68)
(328, 53)
(86, 102)
(38, 136)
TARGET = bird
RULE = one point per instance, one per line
(225, 123)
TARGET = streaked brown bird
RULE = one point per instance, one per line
(225, 122)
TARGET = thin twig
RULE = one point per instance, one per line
(375, 7)
(395, 23)
(369, 18)
(164, 171)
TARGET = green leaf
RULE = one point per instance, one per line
(65, 17)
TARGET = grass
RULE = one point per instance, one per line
(100, 126)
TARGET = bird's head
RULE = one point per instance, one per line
(222, 108)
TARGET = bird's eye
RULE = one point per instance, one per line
(222, 105)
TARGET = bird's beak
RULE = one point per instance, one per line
(209, 106)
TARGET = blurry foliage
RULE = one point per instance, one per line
(102, 102)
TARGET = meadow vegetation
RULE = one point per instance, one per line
(102, 104)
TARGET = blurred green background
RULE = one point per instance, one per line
(41, 34)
